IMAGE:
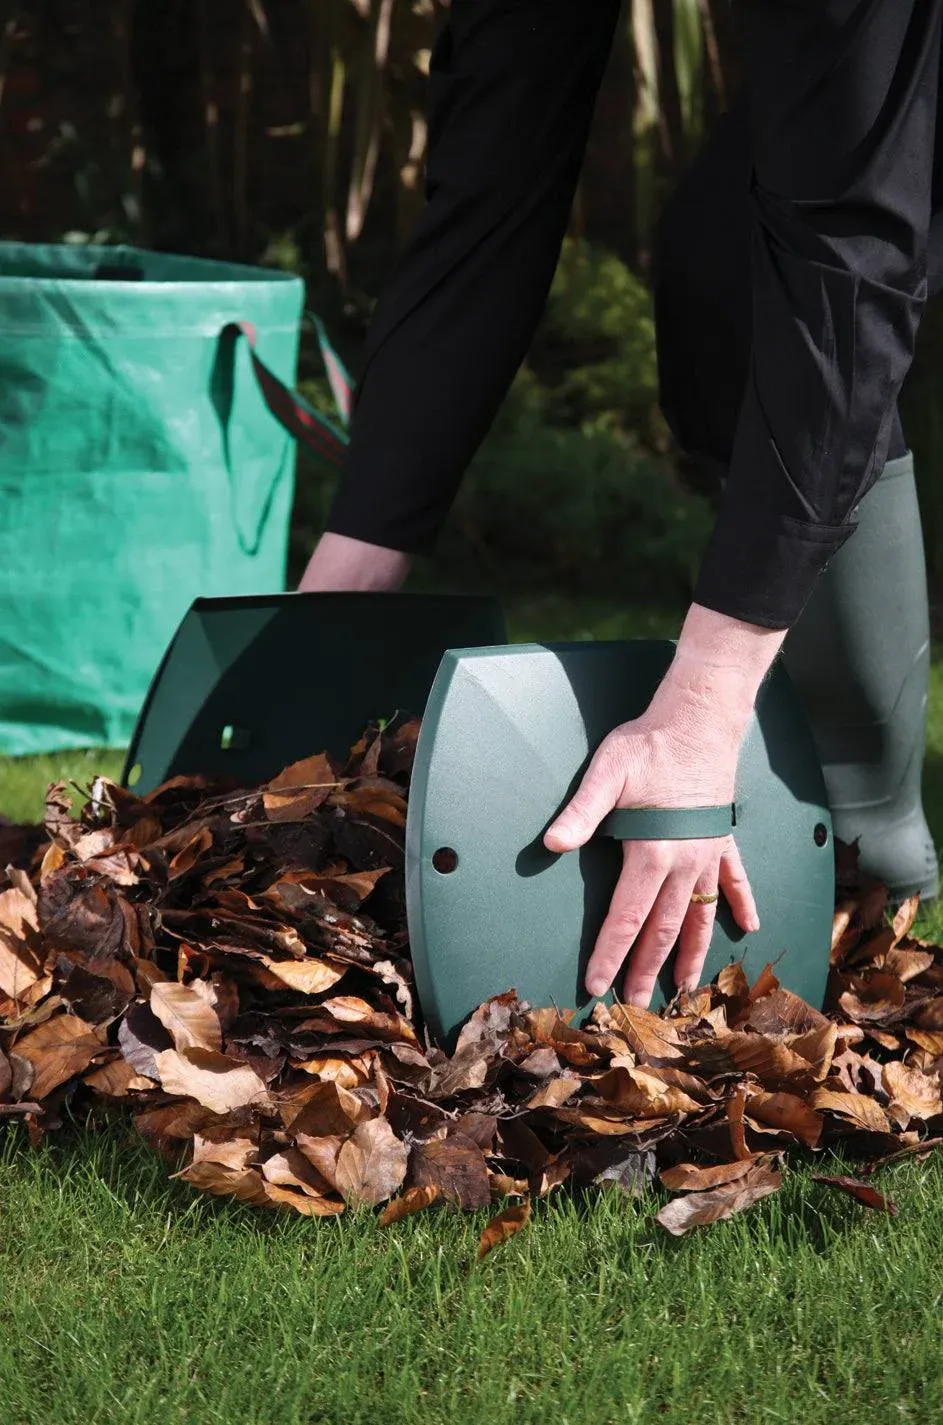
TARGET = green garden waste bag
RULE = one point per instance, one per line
(142, 464)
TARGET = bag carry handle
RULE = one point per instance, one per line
(302, 421)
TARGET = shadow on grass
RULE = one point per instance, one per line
(806, 1215)
(111, 1152)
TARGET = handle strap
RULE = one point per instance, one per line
(292, 411)
(340, 379)
(669, 823)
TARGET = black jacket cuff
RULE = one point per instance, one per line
(761, 566)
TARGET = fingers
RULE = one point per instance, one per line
(651, 911)
(597, 794)
(657, 940)
(733, 883)
(695, 939)
(644, 869)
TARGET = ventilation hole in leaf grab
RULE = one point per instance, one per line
(445, 860)
(820, 834)
(135, 774)
(233, 739)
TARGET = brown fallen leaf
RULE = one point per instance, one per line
(861, 1192)
(700, 1208)
(300, 789)
(117, 1079)
(371, 1165)
(246, 1184)
(689, 1177)
(907, 964)
(872, 999)
(506, 1224)
(57, 1050)
(189, 1020)
(292, 1169)
(215, 1080)
(922, 1148)
(19, 966)
(309, 976)
(736, 1108)
(912, 1094)
(414, 1199)
(554, 1092)
(321, 1109)
(455, 1166)
(904, 917)
(788, 1114)
(641, 1093)
(653, 1039)
(855, 1108)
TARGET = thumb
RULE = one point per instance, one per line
(596, 796)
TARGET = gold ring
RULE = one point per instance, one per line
(698, 899)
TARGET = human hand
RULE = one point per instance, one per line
(681, 752)
(340, 563)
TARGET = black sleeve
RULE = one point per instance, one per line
(843, 105)
(512, 89)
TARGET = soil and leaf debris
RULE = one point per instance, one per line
(230, 967)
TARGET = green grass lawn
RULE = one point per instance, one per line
(127, 1297)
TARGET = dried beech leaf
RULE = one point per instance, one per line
(788, 1114)
(905, 917)
(185, 1014)
(855, 1108)
(214, 1080)
(861, 1192)
(651, 1038)
(300, 789)
(506, 1224)
(117, 1079)
(246, 1184)
(912, 1094)
(322, 1109)
(57, 1050)
(292, 1169)
(688, 1177)
(414, 1199)
(700, 1208)
(455, 1166)
(371, 1165)
(19, 966)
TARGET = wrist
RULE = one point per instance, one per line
(342, 563)
(719, 665)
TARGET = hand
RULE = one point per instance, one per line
(681, 752)
(339, 563)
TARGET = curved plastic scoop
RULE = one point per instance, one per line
(506, 735)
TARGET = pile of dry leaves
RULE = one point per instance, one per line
(231, 967)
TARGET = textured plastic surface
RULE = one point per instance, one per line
(506, 736)
(859, 656)
(249, 685)
(668, 823)
(139, 469)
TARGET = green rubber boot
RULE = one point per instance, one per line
(860, 657)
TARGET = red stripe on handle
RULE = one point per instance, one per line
(291, 410)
